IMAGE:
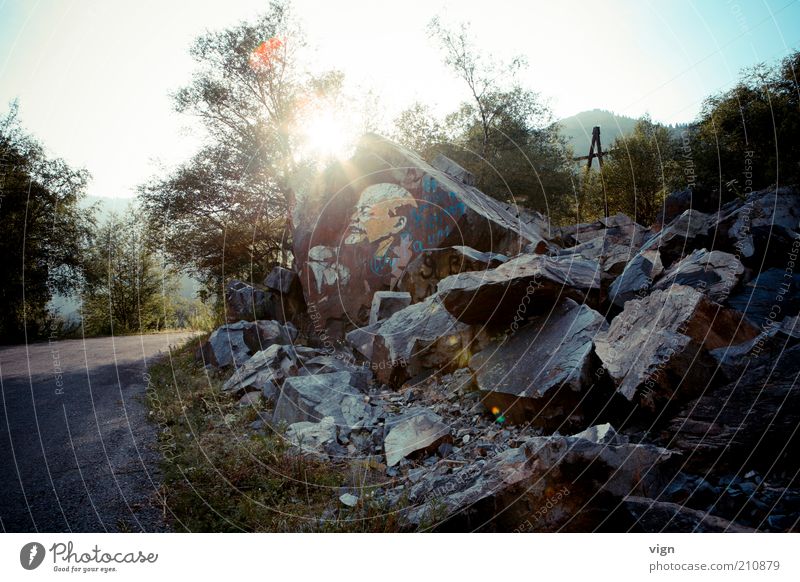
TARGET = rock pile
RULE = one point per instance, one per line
(505, 375)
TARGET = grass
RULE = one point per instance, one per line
(221, 477)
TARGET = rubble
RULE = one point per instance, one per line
(416, 430)
(714, 273)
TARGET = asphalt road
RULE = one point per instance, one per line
(77, 453)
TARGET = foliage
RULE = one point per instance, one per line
(636, 177)
(504, 134)
(127, 288)
(45, 231)
(224, 213)
(749, 136)
(221, 476)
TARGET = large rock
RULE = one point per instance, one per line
(312, 398)
(312, 436)
(364, 221)
(259, 335)
(651, 516)
(656, 350)
(714, 273)
(387, 303)
(549, 483)
(416, 430)
(453, 169)
(691, 230)
(246, 302)
(764, 228)
(234, 343)
(637, 278)
(431, 266)
(540, 373)
(423, 336)
(265, 371)
(287, 293)
(769, 298)
(527, 283)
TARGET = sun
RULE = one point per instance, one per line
(326, 133)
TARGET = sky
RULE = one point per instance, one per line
(94, 77)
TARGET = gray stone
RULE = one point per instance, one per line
(417, 430)
(226, 346)
(312, 398)
(498, 295)
(540, 372)
(348, 499)
(432, 265)
(714, 273)
(387, 303)
(246, 302)
(691, 230)
(637, 278)
(453, 169)
(312, 436)
(263, 372)
(656, 350)
(423, 336)
(282, 280)
(250, 399)
(651, 516)
(261, 334)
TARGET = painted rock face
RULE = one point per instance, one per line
(365, 220)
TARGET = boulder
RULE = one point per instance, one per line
(762, 230)
(431, 266)
(637, 278)
(416, 430)
(259, 335)
(423, 336)
(769, 298)
(363, 221)
(547, 483)
(714, 273)
(527, 283)
(612, 248)
(540, 373)
(656, 350)
(287, 294)
(312, 436)
(246, 302)
(691, 230)
(387, 303)
(362, 339)
(226, 346)
(312, 398)
(265, 371)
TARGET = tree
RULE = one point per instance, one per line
(226, 212)
(635, 178)
(504, 133)
(45, 232)
(128, 289)
(749, 136)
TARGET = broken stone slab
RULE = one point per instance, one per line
(714, 273)
(287, 294)
(312, 398)
(363, 221)
(773, 295)
(540, 373)
(416, 430)
(527, 284)
(691, 230)
(250, 399)
(226, 346)
(261, 334)
(264, 371)
(282, 280)
(656, 350)
(431, 266)
(312, 436)
(246, 302)
(763, 229)
(362, 339)
(387, 303)
(651, 516)
(637, 278)
(423, 336)
(453, 169)
(547, 483)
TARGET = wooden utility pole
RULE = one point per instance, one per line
(595, 154)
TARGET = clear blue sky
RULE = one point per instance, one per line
(93, 77)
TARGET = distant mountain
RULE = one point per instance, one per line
(106, 206)
(577, 129)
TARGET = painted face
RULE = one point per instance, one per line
(375, 216)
